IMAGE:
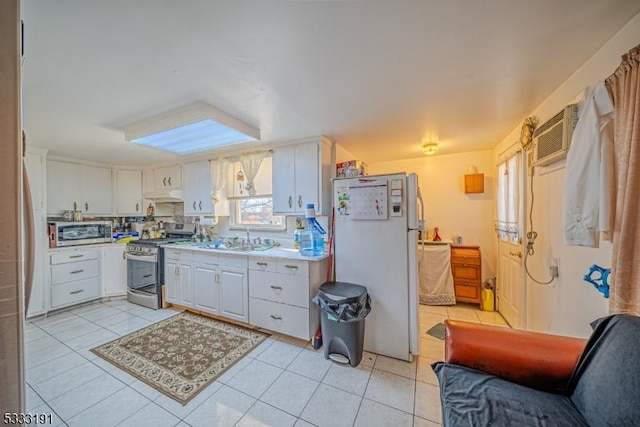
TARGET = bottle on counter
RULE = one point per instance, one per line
(298, 232)
(311, 239)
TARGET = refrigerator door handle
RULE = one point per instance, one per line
(30, 238)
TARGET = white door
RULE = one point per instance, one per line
(306, 173)
(115, 270)
(510, 281)
(95, 190)
(129, 192)
(510, 284)
(171, 279)
(191, 187)
(63, 186)
(185, 287)
(206, 289)
(283, 180)
(233, 293)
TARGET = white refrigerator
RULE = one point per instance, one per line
(377, 219)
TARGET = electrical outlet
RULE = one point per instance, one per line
(554, 271)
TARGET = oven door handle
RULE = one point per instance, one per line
(144, 258)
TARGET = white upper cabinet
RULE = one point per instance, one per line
(129, 192)
(197, 188)
(95, 190)
(169, 177)
(80, 187)
(301, 175)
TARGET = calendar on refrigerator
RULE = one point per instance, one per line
(368, 199)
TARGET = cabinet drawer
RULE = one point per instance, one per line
(465, 259)
(74, 292)
(239, 261)
(283, 288)
(74, 271)
(73, 256)
(178, 254)
(467, 291)
(469, 272)
(262, 264)
(298, 268)
(283, 318)
(205, 257)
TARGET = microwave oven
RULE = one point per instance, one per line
(79, 233)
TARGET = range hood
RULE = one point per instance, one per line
(164, 196)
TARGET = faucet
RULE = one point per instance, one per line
(248, 238)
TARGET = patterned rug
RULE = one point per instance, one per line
(181, 355)
(437, 331)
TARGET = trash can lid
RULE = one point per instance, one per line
(342, 291)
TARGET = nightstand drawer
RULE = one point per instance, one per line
(468, 291)
(468, 272)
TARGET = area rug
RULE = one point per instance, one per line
(437, 331)
(181, 355)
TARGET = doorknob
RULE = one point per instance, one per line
(518, 254)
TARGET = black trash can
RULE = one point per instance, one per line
(343, 307)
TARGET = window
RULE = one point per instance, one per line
(253, 211)
(507, 224)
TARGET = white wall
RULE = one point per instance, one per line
(567, 306)
(447, 207)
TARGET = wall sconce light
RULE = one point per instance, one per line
(430, 148)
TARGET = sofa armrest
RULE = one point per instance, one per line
(541, 361)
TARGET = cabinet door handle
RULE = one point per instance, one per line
(77, 256)
(86, 206)
(276, 287)
(169, 180)
(291, 266)
(194, 205)
(299, 201)
(274, 317)
(200, 204)
(290, 201)
(76, 292)
(137, 206)
(164, 181)
(146, 275)
(124, 256)
(176, 270)
(76, 271)
(262, 264)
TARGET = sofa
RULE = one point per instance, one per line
(495, 376)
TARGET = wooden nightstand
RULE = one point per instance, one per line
(466, 268)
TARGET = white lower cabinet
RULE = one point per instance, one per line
(280, 293)
(207, 296)
(234, 298)
(75, 276)
(208, 282)
(114, 276)
(178, 277)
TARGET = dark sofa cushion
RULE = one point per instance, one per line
(473, 398)
(606, 382)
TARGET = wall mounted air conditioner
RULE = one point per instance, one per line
(551, 140)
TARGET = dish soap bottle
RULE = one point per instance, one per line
(298, 232)
(312, 240)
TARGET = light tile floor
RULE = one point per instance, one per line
(283, 382)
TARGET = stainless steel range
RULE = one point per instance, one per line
(145, 265)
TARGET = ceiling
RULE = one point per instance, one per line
(376, 76)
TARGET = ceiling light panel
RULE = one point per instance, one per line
(196, 127)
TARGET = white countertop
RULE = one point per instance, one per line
(278, 252)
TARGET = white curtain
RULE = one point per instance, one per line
(508, 198)
(218, 185)
(251, 165)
